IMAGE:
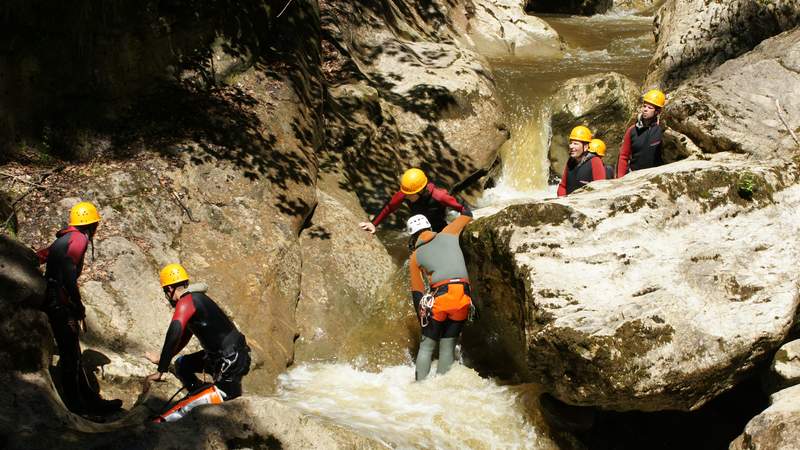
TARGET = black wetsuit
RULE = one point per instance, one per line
(64, 308)
(225, 355)
(641, 148)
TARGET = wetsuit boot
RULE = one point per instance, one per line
(424, 357)
(447, 354)
(92, 401)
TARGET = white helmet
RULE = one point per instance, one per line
(416, 223)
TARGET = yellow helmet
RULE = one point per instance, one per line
(597, 147)
(580, 133)
(413, 181)
(171, 274)
(84, 213)
(655, 98)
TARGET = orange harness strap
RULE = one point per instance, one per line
(449, 281)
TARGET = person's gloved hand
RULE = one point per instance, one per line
(367, 226)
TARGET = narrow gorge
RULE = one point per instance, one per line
(248, 139)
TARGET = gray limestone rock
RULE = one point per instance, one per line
(605, 103)
(656, 291)
(695, 36)
(734, 108)
(777, 427)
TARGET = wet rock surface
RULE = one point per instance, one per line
(500, 29)
(403, 86)
(605, 103)
(632, 295)
(695, 36)
(728, 111)
(583, 7)
(778, 427)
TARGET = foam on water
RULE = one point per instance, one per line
(457, 410)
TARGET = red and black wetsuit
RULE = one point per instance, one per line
(432, 203)
(64, 260)
(581, 173)
(641, 148)
(225, 353)
(64, 308)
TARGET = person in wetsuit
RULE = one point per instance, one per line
(438, 256)
(641, 146)
(598, 147)
(582, 167)
(65, 310)
(225, 355)
(423, 197)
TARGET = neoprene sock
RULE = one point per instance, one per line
(447, 354)
(424, 357)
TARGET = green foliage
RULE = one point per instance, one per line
(747, 185)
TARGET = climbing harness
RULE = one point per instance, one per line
(426, 309)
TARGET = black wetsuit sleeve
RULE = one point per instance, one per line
(416, 297)
(177, 332)
(174, 335)
(70, 282)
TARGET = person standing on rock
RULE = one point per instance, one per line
(445, 309)
(225, 355)
(582, 167)
(598, 147)
(641, 146)
(65, 310)
(424, 198)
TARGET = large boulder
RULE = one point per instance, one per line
(604, 102)
(695, 36)
(777, 427)
(232, 216)
(583, 7)
(25, 340)
(500, 29)
(734, 108)
(657, 291)
(404, 92)
(343, 271)
(785, 368)
(638, 6)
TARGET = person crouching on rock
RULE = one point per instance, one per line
(225, 355)
(65, 310)
(445, 309)
(598, 147)
(424, 198)
(582, 167)
(641, 146)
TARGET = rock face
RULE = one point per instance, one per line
(657, 291)
(695, 36)
(603, 102)
(403, 87)
(777, 428)
(729, 111)
(583, 7)
(639, 6)
(500, 29)
(343, 270)
(785, 368)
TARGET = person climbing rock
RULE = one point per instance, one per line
(582, 167)
(641, 146)
(598, 147)
(225, 355)
(65, 309)
(423, 197)
(445, 309)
